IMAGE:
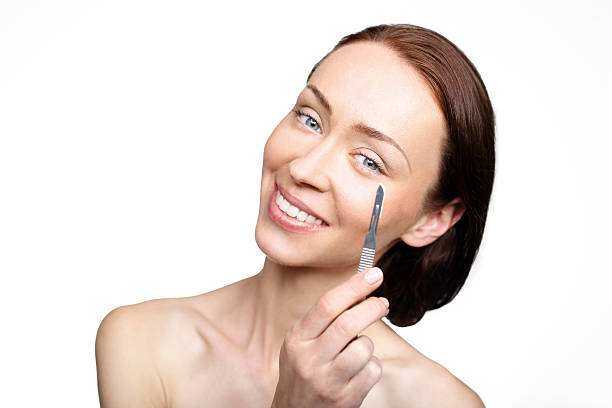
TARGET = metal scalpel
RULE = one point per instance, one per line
(369, 247)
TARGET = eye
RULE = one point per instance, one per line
(372, 165)
(310, 122)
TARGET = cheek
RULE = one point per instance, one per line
(355, 206)
(399, 209)
(398, 215)
(274, 152)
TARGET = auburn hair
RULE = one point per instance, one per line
(418, 279)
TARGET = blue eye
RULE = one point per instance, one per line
(371, 164)
(310, 121)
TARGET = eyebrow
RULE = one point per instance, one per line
(359, 127)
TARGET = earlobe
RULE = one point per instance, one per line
(435, 224)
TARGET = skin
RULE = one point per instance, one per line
(222, 347)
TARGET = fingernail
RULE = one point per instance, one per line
(373, 275)
(385, 301)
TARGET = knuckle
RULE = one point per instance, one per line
(302, 371)
(290, 342)
(380, 305)
(367, 343)
(321, 390)
(355, 287)
(342, 400)
(289, 336)
(328, 397)
(374, 368)
(303, 365)
(363, 351)
(326, 305)
(344, 326)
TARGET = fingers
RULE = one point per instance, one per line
(353, 358)
(369, 375)
(348, 325)
(336, 301)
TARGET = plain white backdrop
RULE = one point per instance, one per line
(131, 141)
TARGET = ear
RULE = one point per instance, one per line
(433, 225)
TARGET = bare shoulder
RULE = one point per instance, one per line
(127, 375)
(414, 380)
(132, 351)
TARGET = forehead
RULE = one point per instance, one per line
(369, 82)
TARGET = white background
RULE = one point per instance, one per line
(122, 122)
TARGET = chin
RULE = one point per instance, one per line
(273, 248)
(283, 251)
(319, 255)
(308, 250)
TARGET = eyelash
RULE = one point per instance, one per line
(299, 112)
(361, 153)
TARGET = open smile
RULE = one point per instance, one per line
(292, 214)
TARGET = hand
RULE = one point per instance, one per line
(322, 363)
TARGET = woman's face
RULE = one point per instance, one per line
(333, 167)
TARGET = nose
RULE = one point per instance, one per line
(313, 167)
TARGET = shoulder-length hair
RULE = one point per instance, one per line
(426, 278)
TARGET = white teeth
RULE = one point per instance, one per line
(295, 212)
(284, 205)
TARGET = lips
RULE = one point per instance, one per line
(299, 204)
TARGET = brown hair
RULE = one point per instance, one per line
(426, 278)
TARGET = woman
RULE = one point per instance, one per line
(397, 105)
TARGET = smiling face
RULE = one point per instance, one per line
(332, 163)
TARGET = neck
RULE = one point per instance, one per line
(282, 295)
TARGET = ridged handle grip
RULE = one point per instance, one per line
(367, 259)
